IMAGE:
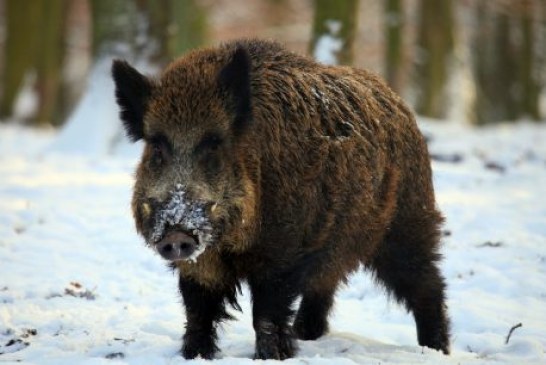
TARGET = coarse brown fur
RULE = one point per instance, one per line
(315, 170)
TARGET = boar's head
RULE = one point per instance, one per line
(191, 183)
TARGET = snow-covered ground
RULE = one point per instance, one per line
(77, 286)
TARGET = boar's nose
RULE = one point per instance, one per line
(176, 245)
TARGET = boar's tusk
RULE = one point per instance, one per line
(146, 209)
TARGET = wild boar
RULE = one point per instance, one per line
(264, 166)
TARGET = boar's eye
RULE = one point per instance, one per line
(210, 142)
(206, 153)
(160, 149)
(157, 154)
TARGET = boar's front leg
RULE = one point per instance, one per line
(205, 307)
(273, 296)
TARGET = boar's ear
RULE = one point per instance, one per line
(234, 78)
(132, 93)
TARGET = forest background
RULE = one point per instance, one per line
(478, 61)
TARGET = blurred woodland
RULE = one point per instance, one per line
(482, 61)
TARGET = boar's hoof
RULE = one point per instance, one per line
(434, 332)
(279, 345)
(176, 245)
(437, 341)
(309, 329)
(199, 344)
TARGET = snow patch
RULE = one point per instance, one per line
(26, 103)
(66, 219)
(96, 117)
(190, 215)
(329, 44)
(321, 97)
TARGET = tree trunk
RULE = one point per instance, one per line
(35, 46)
(529, 72)
(190, 25)
(22, 37)
(334, 30)
(141, 32)
(50, 62)
(506, 62)
(151, 30)
(394, 23)
(494, 66)
(117, 28)
(542, 56)
(435, 46)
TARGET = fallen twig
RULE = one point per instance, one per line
(490, 244)
(494, 166)
(450, 158)
(510, 332)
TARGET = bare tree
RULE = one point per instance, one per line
(34, 51)
(507, 60)
(394, 24)
(50, 62)
(190, 26)
(146, 33)
(529, 62)
(435, 42)
(334, 28)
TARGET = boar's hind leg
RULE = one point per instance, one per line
(272, 299)
(204, 309)
(312, 319)
(406, 264)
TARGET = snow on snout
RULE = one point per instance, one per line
(190, 215)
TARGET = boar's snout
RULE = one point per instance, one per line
(179, 227)
(176, 245)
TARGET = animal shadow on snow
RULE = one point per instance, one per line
(336, 345)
